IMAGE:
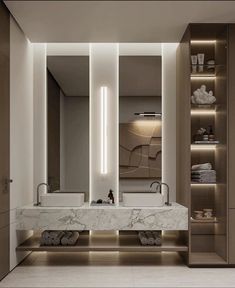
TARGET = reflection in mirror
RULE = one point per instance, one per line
(68, 123)
(139, 122)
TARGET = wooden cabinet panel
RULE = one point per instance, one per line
(4, 251)
(5, 138)
(231, 93)
(231, 236)
(4, 109)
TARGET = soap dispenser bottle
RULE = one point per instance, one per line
(111, 197)
(211, 134)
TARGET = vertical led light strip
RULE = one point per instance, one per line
(104, 146)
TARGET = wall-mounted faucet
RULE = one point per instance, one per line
(38, 190)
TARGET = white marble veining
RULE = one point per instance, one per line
(87, 217)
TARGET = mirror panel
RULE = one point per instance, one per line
(140, 135)
(68, 123)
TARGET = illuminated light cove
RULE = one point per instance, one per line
(104, 136)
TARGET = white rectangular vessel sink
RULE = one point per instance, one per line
(62, 199)
(144, 199)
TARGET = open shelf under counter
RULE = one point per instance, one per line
(124, 242)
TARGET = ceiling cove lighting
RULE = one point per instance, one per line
(148, 114)
(203, 41)
(203, 147)
(104, 138)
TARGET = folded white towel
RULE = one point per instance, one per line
(204, 166)
(204, 172)
(158, 238)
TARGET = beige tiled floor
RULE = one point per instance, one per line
(114, 270)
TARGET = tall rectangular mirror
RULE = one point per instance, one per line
(68, 123)
(140, 135)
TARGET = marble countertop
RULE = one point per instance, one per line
(86, 205)
(88, 217)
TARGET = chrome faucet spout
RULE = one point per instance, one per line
(38, 190)
(157, 187)
(168, 194)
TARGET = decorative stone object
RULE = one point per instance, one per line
(201, 96)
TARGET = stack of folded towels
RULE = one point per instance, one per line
(203, 173)
(55, 238)
(150, 238)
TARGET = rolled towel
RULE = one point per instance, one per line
(45, 238)
(143, 238)
(64, 239)
(150, 237)
(57, 240)
(45, 234)
(204, 166)
(158, 238)
(47, 242)
(73, 238)
(54, 234)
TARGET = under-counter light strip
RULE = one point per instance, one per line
(103, 91)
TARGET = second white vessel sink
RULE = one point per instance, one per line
(144, 199)
(62, 199)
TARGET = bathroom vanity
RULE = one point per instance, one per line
(105, 228)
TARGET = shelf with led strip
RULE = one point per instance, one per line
(207, 146)
(211, 220)
(202, 45)
(124, 242)
(204, 183)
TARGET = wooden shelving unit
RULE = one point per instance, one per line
(208, 240)
(124, 242)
